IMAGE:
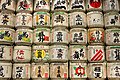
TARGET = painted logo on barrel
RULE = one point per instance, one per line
(5, 35)
(24, 36)
(97, 54)
(95, 3)
(79, 71)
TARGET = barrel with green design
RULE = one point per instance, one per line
(24, 36)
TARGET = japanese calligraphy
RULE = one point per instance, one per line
(41, 37)
(58, 72)
(77, 4)
(39, 71)
(114, 20)
(117, 71)
(60, 4)
(1, 71)
(59, 37)
(78, 37)
(7, 34)
(116, 37)
(96, 20)
(20, 54)
(97, 72)
(24, 5)
(78, 54)
(60, 19)
(23, 19)
(20, 36)
(117, 54)
(7, 3)
(19, 72)
(60, 53)
(1, 52)
(39, 3)
(41, 18)
(96, 36)
(78, 20)
(112, 2)
(5, 19)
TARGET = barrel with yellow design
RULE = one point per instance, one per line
(40, 53)
(24, 36)
(41, 19)
(6, 36)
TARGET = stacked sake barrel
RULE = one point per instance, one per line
(78, 40)
(7, 17)
(96, 52)
(41, 42)
(23, 40)
(112, 25)
(59, 40)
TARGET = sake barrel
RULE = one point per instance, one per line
(110, 5)
(113, 70)
(76, 5)
(40, 53)
(59, 53)
(93, 5)
(60, 35)
(6, 36)
(41, 19)
(41, 5)
(41, 36)
(112, 36)
(59, 5)
(22, 54)
(96, 53)
(21, 71)
(96, 36)
(95, 19)
(112, 19)
(6, 70)
(23, 20)
(40, 71)
(7, 19)
(78, 19)
(6, 53)
(24, 36)
(8, 5)
(77, 53)
(78, 36)
(59, 70)
(97, 71)
(60, 19)
(112, 53)
(24, 6)
(78, 70)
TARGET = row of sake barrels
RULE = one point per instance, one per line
(27, 5)
(76, 19)
(60, 35)
(61, 53)
(60, 70)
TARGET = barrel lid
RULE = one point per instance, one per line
(29, 30)
(95, 12)
(41, 29)
(22, 47)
